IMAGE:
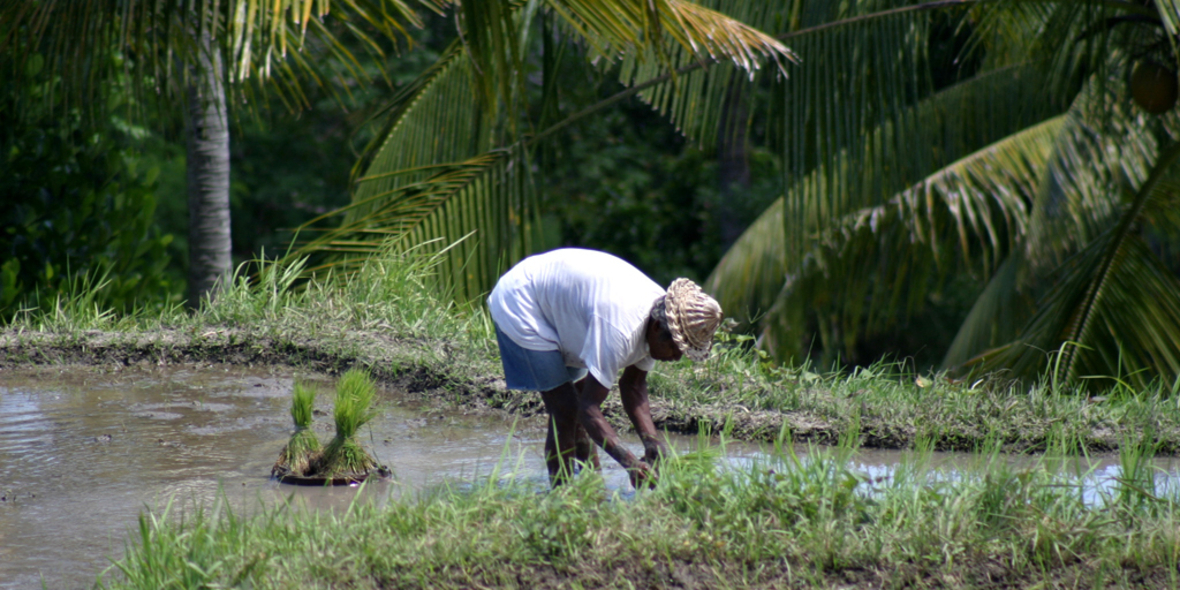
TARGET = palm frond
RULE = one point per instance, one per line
(435, 175)
(861, 76)
(845, 156)
(1074, 39)
(431, 121)
(628, 27)
(1004, 306)
(256, 38)
(962, 218)
(749, 278)
(477, 211)
(495, 35)
(435, 181)
(698, 94)
(1106, 147)
(980, 133)
(1114, 310)
(498, 211)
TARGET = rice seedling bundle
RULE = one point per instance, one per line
(354, 399)
(303, 451)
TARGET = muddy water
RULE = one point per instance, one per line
(82, 453)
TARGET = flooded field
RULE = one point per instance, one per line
(83, 453)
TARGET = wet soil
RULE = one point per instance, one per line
(397, 364)
(461, 379)
(394, 364)
(85, 449)
(694, 573)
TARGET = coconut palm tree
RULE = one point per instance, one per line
(1034, 173)
(203, 54)
(1037, 171)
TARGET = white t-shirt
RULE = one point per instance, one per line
(590, 305)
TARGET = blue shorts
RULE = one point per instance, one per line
(534, 370)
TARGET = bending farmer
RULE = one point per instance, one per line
(568, 320)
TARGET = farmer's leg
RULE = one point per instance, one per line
(585, 450)
(545, 371)
(561, 403)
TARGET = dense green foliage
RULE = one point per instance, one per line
(923, 150)
(935, 182)
(626, 182)
(77, 201)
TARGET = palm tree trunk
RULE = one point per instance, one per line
(208, 177)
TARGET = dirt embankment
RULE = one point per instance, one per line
(469, 379)
(432, 370)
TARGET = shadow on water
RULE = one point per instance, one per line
(83, 452)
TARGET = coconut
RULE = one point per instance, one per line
(1154, 87)
(303, 450)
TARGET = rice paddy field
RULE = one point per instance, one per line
(1015, 514)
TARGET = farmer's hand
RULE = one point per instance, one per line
(641, 474)
(653, 451)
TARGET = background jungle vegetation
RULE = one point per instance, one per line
(973, 186)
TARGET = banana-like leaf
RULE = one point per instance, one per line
(1114, 310)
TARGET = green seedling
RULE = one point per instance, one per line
(303, 451)
(354, 399)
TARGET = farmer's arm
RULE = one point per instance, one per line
(590, 415)
(633, 389)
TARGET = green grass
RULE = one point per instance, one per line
(893, 407)
(783, 522)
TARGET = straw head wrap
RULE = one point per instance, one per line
(693, 317)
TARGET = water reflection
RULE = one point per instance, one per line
(1095, 480)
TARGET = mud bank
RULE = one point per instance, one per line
(432, 371)
(466, 376)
